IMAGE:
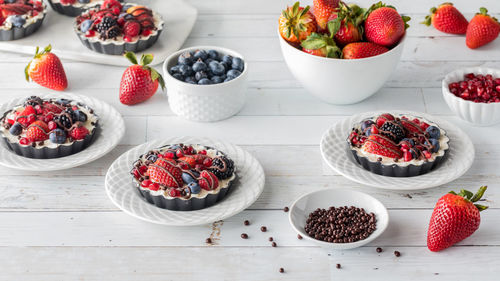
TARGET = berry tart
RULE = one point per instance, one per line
(48, 128)
(398, 146)
(184, 177)
(113, 28)
(20, 18)
(71, 8)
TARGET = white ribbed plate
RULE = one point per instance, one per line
(335, 152)
(111, 125)
(125, 196)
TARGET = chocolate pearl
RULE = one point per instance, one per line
(246, 222)
(338, 266)
(263, 228)
(282, 270)
(379, 250)
(299, 237)
(244, 236)
(286, 209)
(274, 244)
(397, 253)
(270, 239)
(208, 241)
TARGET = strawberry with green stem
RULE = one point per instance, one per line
(322, 11)
(322, 45)
(46, 70)
(296, 23)
(447, 18)
(384, 25)
(482, 29)
(455, 217)
(347, 24)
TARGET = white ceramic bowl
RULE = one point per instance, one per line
(205, 103)
(481, 114)
(339, 81)
(326, 198)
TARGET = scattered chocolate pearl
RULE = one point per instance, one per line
(379, 250)
(263, 228)
(397, 253)
(274, 244)
(208, 241)
(33, 144)
(246, 222)
(379, 159)
(282, 270)
(244, 236)
(338, 266)
(436, 273)
(270, 239)
(299, 237)
(286, 209)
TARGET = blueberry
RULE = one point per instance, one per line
(213, 54)
(174, 69)
(229, 78)
(414, 153)
(200, 75)
(85, 26)
(190, 80)
(126, 7)
(227, 59)
(205, 81)
(80, 116)
(208, 61)
(368, 133)
(434, 132)
(366, 123)
(187, 178)
(186, 70)
(58, 136)
(18, 21)
(217, 79)
(237, 64)
(412, 142)
(233, 73)
(16, 129)
(63, 101)
(152, 157)
(434, 143)
(84, 1)
(175, 146)
(178, 76)
(185, 59)
(217, 68)
(194, 187)
(10, 1)
(200, 54)
(199, 66)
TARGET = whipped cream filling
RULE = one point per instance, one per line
(90, 124)
(119, 40)
(443, 146)
(223, 183)
(7, 25)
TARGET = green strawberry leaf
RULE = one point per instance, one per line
(466, 194)
(333, 52)
(131, 57)
(427, 20)
(453, 192)
(479, 194)
(157, 76)
(481, 207)
(334, 26)
(146, 59)
(26, 69)
(314, 42)
(406, 19)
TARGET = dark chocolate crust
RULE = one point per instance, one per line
(20, 32)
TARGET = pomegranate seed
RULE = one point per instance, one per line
(497, 81)
(154, 186)
(207, 162)
(136, 172)
(174, 193)
(31, 119)
(408, 156)
(143, 169)
(200, 167)
(11, 121)
(179, 153)
(203, 152)
(427, 154)
(24, 141)
(374, 130)
(469, 76)
(146, 183)
(169, 155)
(52, 125)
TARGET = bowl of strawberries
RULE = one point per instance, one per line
(341, 53)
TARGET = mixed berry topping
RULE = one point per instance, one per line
(206, 67)
(182, 171)
(37, 120)
(401, 138)
(477, 88)
(111, 20)
(14, 13)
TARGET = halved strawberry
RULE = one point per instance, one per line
(165, 172)
(36, 133)
(208, 180)
(189, 160)
(374, 147)
(382, 118)
(50, 107)
(411, 126)
(383, 140)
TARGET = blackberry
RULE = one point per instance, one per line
(219, 163)
(71, 113)
(108, 28)
(33, 100)
(393, 131)
(64, 121)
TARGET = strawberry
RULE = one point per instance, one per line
(46, 70)
(24, 116)
(345, 24)
(79, 132)
(189, 160)
(384, 117)
(42, 125)
(387, 148)
(383, 140)
(139, 82)
(208, 180)
(411, 126)
(482, 29)
(455, 217)
(36, 132)
(447, 18)
(166, 173)
(321, 45)
(322, 11)
(296, 23)
(14, 9)
(111, 4)
(384, 25)
(361, 50)
(50, 107)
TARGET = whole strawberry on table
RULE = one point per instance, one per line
(334, 29)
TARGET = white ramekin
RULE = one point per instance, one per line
(481, 114)
(205, 103)
(340, 81)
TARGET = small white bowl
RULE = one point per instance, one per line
(326, 198)
(340, 81)
(481, 114)
(205, 103)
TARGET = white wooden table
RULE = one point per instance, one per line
(61, 225)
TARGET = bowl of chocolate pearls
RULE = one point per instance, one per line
(338, 218)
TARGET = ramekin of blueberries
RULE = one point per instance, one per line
(205, 83)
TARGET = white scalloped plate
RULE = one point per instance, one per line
(125, 196)
(112, 129)
(334, 151)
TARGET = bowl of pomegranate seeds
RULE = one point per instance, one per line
(474, 94)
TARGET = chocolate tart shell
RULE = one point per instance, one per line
(179, 204)
(394, 170)
(16, 33)
(67, 10)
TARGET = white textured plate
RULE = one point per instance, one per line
(335, 152)
(57, 30)
(125, 196)
(111, 130)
